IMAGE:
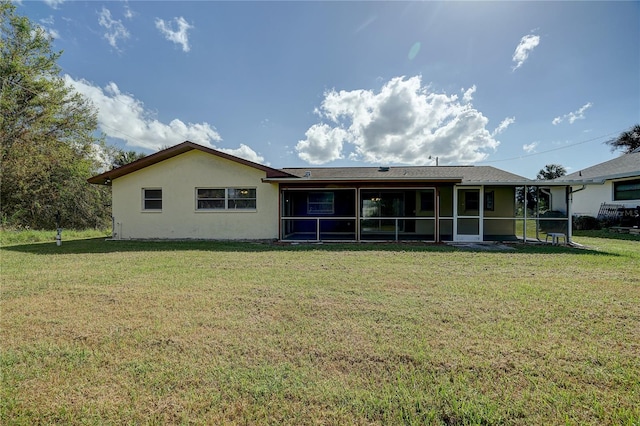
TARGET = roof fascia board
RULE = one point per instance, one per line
(108, 176)
(302, 180)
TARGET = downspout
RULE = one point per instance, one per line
(544, 190)
(550, 207)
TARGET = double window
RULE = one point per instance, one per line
(225, 198)
(152, 199)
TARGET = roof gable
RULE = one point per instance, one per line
(165, 154)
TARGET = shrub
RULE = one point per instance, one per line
(553, 225)
(586, 223)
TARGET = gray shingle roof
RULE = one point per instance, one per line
(627, 165)
(466, 174)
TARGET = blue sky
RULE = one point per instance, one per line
(515, 85)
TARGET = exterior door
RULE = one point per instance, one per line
(468, 215)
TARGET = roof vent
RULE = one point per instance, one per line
(383, 169)
(307, 174)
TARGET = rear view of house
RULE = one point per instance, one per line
(190, 191)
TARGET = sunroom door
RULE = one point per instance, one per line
(468, 221)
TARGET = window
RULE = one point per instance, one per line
(209, 198)
(320, 203)
(225, 198)
(626, 190)
(383, 203)
(152, 199)
(242, 198)
(489, 200)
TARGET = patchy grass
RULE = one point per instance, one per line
(97, 332)
(24, 236)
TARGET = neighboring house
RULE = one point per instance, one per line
(615, 181)
(190, 191)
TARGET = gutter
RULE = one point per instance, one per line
(303, 180)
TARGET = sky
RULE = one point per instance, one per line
(514, 85)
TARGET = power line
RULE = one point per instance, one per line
(553, 149)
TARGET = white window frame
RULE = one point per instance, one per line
(145, 199)
(228, 199)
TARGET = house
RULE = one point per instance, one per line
(615, 182)
(191, 191)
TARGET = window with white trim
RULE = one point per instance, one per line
(225, 199)
(152, 199)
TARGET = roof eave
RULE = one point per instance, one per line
(303, 180)
(107, 177)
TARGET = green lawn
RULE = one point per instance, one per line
(97, 332)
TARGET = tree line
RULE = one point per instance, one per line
(50, 144)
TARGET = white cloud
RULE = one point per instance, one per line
(524, 48)
(127, 11)
(323, 144)
(53, 3)
(122, 116)
(573, 116)
(48, 21)
(468, 94)
(47, 27)
(179, 36)
(404, 123)
(115, 29)
(531, 147)
(504, 124)
(245, 152)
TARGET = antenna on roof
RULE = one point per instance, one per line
(436, 160)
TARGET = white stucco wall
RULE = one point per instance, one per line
(587, 202)
(559, 199)
(179, 177)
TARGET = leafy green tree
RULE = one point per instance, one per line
(47, 135)
(628, 141)
(122, 157)
(551, 171)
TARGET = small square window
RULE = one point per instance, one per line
(152, 199)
